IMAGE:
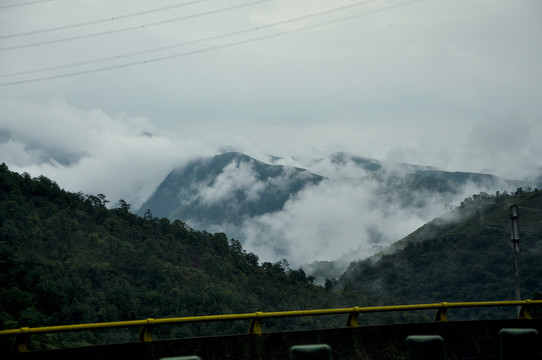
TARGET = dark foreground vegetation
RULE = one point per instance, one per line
(66, 258)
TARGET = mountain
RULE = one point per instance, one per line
(358, 204)
(465, 255)
(412, 177)
(226, 188)
(230, 187)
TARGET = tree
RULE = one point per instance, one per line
(98, 201)
(298, 275)
(252, 259)
(330, 284)
(148, 215)
(236, 247)
(124, 206)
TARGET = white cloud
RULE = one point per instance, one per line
(15, 152)
(347, 218)
(113, 155)
(504, 145)
(236, 176)
(344, 170)
(328, 221)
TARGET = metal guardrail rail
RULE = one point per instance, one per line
(22, 335)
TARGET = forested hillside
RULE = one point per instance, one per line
(66, 258)
(463, 256)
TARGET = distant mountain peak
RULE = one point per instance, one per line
(274, 159)
(224, 189)
(345, 158)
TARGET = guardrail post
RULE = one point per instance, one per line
(442, 313)
(255, 326)
(145, 334)
(20, 344)
(352, 320)
(524, 311)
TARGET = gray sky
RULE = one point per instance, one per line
(455, 84)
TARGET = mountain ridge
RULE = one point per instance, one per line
(205, 173)
(207, 169)
(264, 205)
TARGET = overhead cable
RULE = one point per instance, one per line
(215, 37)
(228, 45)
(93, 22)
(162, 22)
(24, 4)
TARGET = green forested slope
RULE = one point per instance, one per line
(465, 256)
(65, 258)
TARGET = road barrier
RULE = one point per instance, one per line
(22, 335)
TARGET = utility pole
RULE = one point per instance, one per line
(514, 238)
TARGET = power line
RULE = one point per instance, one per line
(93, 22)
(215, 37)
(133, 27)
(24, 4)
(228, 45)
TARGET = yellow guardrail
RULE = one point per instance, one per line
(22, 335)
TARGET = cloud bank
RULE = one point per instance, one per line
(346, 216)
(345, 219)
(349, 215)
(89, 150)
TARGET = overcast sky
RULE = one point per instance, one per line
(108, 96)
